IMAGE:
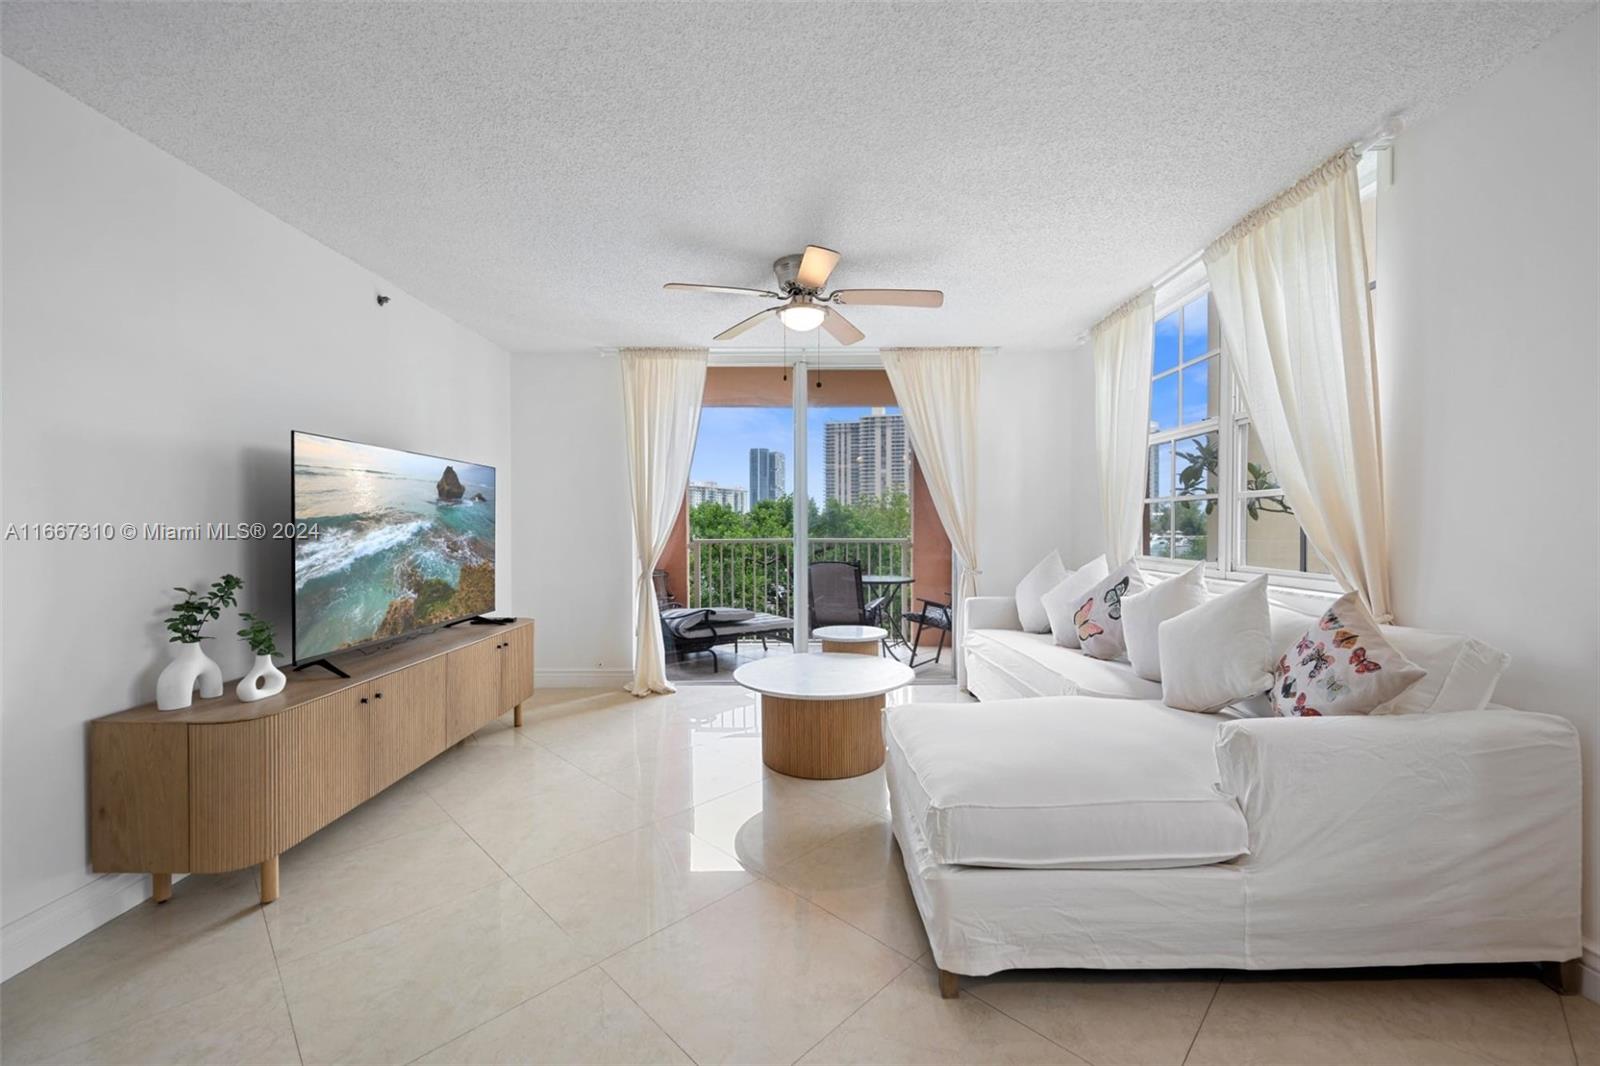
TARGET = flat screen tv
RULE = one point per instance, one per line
(388, 543)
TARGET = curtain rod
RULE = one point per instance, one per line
(1379, 139)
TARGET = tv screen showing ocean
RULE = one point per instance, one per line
(402, 542)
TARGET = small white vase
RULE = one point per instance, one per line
(189, 665)
(262, 681)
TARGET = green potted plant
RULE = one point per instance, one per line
(190, 664)
(264, 679)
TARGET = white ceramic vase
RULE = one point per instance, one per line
(189, 665)
(262, 681)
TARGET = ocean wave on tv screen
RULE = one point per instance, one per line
(336, 549)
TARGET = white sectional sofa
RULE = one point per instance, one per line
(1072, 819)
(1123, 834)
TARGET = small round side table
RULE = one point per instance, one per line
(851, 640)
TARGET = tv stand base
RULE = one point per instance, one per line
(322, 662)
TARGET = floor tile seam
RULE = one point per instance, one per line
(1075, 1053)
(501, 1014)
(858, 1009)
(1216, 990)
(282, 989)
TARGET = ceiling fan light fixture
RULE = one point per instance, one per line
(801, 317)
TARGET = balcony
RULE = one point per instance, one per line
(757, 573)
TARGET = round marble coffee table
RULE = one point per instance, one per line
(851, 640)
(821, 714)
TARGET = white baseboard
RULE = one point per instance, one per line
(581, 678)
(55, 925)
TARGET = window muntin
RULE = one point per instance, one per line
(1210, 494)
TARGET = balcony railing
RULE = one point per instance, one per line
(758, 572)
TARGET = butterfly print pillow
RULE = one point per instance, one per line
(1341, 665)
(1099, 617)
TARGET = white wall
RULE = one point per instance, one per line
(574, 524)
(1488, 273)
(161, 338)
(1037, 493)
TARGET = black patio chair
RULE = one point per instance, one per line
(933, 615)
(838, 599)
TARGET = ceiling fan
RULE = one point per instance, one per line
(800, 281)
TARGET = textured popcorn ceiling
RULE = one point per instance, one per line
(537, 171)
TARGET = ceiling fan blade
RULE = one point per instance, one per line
(748, 324)
(890, 297)
(840, 329)
(815, 266)
(683, 286)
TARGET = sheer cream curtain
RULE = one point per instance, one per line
(937, 389)
(1122, 348)
(1291, 289)
(661, 393)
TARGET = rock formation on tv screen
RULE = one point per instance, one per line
(450, 486)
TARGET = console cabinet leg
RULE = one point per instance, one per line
(516, 716)
(160, 887)
(1564, 978)
(269, 880)
(949, 985)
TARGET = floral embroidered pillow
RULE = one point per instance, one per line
(1341, 665)
(1099, 616)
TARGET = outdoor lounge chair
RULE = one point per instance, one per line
(687, 630)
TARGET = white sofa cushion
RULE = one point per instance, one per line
(1033, 664)
(1069, 783)
(1061, 602)
(1046, 574)
(1143, 613)
(1215, 654)
(1461, 672)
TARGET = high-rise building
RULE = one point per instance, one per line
(866, 459)
(710, 492)
(766, 475)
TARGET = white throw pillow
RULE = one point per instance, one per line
(1342, 665)
(1061, 601)
(1216, 653)
(1143, 613)
(1461, 672)
(1046, 575)
(1099, 614)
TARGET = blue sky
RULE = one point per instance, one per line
(722, 452)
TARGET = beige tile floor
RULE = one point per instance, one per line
(622, 881)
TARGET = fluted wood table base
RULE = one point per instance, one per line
(822, 739)
(851, 647)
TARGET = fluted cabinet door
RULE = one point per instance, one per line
(406, 716)
(473, 683)
(516, 671)
(233, 794)
(322, 764)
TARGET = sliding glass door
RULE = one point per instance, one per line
(796, 465)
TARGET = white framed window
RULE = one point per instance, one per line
(1210, 494)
